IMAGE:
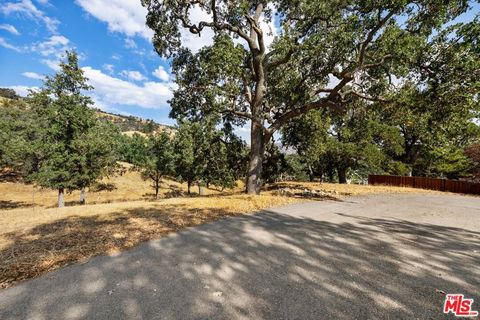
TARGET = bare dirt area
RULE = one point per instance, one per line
(387, 256)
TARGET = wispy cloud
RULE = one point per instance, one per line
(4, 43)
(130, 43)
(161, 73)
(10, 28)
(28, 9)
(53, 50)
(133, 75)
(33, 75)
(108, 67)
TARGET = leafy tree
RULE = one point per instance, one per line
(67, 150)
(131, 149)
(275, 164)
(9, 94)
(473, 154)
(207, 155)
(352, 139)
(98, 155)
(435, 107)
(18, 128)
(156, 159)
(360, 44)
(149, 127)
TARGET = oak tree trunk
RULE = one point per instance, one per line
(257, 149)
(311, 175)
(201, 189)
(342, 175)
(61, 199)
(83, 196)
(189, 184)
(157, 187)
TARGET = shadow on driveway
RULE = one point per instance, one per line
(266, 266)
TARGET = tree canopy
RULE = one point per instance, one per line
(71, 148)
(325, 54)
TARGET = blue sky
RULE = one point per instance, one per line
(111, 39)
(114, 47)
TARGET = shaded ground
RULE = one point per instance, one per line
(35, 241)
(375, 257)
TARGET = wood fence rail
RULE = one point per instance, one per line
(426, 183)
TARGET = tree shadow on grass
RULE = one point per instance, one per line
(9, 204)
(267, 265)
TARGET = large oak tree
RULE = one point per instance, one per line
(325, 53)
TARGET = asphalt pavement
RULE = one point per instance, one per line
(373, 257)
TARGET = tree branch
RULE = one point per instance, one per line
(369, 38)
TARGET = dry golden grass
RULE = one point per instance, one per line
(127, 187)
(347, 189)
(34, 241)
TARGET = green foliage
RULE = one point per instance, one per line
(155, 158)
(206, 155)
(352, 140)
(275, 165)
(18, 128)
(131, 149)
(473, 154)
(362, 44)
(70, 148)
(9, 94)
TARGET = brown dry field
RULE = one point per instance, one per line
(36, 237)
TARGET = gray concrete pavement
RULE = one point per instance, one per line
(375, 257)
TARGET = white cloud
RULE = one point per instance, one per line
(27, 8)
(128, 17)
(54, 46)
(33, 75)
(193, 41)
(161, 73)
(23, 90)
(243, 131)
(110, 91)
(133, 75)
(53, 50)
(52, 64)
(10, 28)
(4, 43)
(130, 43)
(124, 16)
(108, 67)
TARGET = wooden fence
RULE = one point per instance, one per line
(426, 183)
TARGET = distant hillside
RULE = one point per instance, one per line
(131, 124)
(127, 124)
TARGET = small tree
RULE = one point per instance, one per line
(157, 159)
(206, 155)
(98, 155)
(67, 150)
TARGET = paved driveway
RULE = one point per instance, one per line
(376, 257)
